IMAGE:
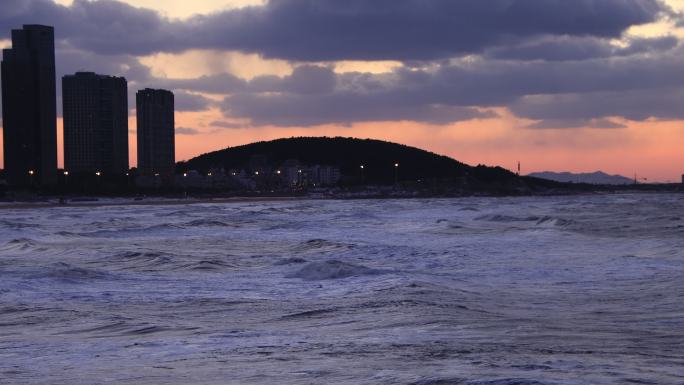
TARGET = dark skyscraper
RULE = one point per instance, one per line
(156, 136)
(95, 123)
(29, 106)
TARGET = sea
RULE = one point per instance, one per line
(473, 291)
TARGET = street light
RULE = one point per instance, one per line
(362, 169)
(66, 177)
(396, 173)
(31, 173)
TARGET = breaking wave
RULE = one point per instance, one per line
(319, 271)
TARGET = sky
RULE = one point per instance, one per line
(558, 85)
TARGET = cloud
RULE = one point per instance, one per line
(663, 104)
(185, 101)
(222, 124)
(186, 131)
(551, 61)
(210, 84)
(575, 123)
(566, 48)
(464, 90)
(329, 30)
(341, 108)
(70, 60)
(324, 30)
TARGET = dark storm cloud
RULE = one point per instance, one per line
(189, 102)
(322, 30)
(104, 26)
(327, 30)
(139, 76)
(340, 108)
(547, 60)
(565, 48)
(664, 104)
(457, 92)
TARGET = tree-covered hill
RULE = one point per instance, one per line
(378, 159)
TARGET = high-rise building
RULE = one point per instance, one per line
(29, 106)
(95, 123)
(156, 137)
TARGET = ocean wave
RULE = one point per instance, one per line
(23, 245)
(206, 265)
(126, 328)
(555, 222)
(460, 381)
(18, 225)
(67, 273)
(322, 245)
(162, 229)
(506, 218)
(207, 223)
(290, 261)
(319, 271)
(155, 261)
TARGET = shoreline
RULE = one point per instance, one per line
(95, 202)
(53, 202)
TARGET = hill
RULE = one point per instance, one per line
(595, 178)
(416, 166)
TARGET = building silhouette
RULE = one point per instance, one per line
(95, 123)
(156, 137)
(29, 107)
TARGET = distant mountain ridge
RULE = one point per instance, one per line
(598, 177)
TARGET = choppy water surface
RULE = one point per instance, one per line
(564, 290)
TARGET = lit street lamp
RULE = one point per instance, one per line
(31, 173)
(396, 173)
